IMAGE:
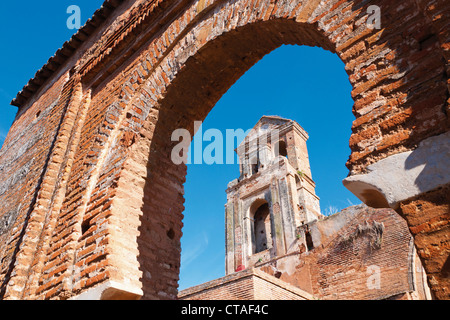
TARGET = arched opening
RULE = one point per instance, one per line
(203, 249)
(262, 228)
(190, 97)
(213, 65)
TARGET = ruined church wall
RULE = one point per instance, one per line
(371, 257)
(159, 53)
(24, 155)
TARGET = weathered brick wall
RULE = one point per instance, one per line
(268, 290)
(371, 256)
(24, 155)
(343, 268)
(428, 219)
(250, 284)
(234, 287)
(400, 94)
(141, 69)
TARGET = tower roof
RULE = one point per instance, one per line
(275, 120)
(267, 124)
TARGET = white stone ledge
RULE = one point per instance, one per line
(110, 291)
(405, 175)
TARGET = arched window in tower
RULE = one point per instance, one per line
(262, 228)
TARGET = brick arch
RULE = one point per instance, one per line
(193, 92)
(219, 56)
(124, 237)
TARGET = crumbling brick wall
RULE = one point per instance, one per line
(102, 203)
(366, 255)
(374, 242)
(428, 217)
(25, 156)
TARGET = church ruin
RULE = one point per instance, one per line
(279, 245)
(92, 206)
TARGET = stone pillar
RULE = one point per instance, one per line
(277, 220)
(229, 238)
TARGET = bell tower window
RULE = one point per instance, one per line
(262, 228)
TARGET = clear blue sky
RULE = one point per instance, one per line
(305, 84)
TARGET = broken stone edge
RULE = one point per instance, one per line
(405, 175)
(110, 290)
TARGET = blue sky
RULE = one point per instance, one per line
(32, 31)
(305, 84)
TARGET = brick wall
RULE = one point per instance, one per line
(428, 219)
(25, 153)
(140, 69)
(236, 287)
(343, 268)
(370, 256)
(250, 284)
(270, 288)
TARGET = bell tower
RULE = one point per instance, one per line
(273, 197)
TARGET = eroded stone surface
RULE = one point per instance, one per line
(405, 175)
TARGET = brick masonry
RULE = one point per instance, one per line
(342, 266)
(359, 253)
(428, 218)
(251, 284)
(88, 193)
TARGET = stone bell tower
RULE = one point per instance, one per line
(273, 197)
